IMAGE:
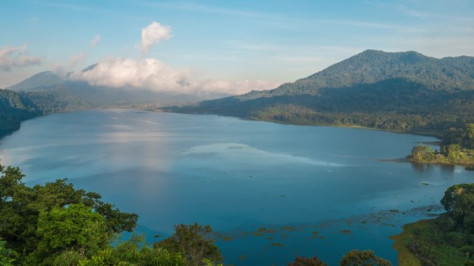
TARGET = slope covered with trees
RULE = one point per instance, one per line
(406, 92)
(15, 108)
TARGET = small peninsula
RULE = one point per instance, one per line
(457, 147)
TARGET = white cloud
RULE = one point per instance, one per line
(95, 41)
(76, 59)
(127, 72)
(154, 75)
(16, 56)
(154, 33)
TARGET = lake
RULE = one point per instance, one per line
(271, 191)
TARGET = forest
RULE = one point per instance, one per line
(457, 147)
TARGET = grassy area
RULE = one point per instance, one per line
(425, 243)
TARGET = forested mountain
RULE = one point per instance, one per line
(15, 108)
(405, 91)
(47, 92)
(52, 93)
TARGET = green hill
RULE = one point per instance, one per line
(15, 108)
(406, 92)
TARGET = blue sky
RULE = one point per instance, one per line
(232, 43)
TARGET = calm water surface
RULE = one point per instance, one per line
(271, 191)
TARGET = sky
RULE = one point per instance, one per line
(218, 45)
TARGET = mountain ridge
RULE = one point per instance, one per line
(403, 91)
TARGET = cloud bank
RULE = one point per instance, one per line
(16, 56)
(127, 72)
(154, 75)
(154, 33)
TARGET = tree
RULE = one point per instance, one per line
(458, 201)
(21, 206)
(305, 261)
(134, 252)
(72, 228)
(364, 257)
(6, 255)
(193, 242)
(422, 153)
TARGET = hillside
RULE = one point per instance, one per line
(54, 93)
(14, 108)
(41, 81)
(406, 92)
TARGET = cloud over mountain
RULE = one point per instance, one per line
(154, 75)
(142, 73)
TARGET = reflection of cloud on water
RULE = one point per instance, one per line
(248, 152)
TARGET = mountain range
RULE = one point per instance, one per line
(53, 92)
(403, 91)
(48, 92)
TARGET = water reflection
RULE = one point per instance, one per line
(445, 169)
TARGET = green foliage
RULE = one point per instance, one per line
(14, 108)
(455, 148)
(365, 257)
(446, 240)
(194, 242)
(30, 215)
(463, 136)
(7, 256)
(56, 224)
(134, 252)
(422, 153)
(458, 201)
(75, 227)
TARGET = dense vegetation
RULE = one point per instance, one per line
(15, 108)
(405, 92)
(57, 224)
(54, 93)
(446, 240)
(457, 148)
(351, 258)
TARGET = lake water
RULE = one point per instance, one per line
(271, 191)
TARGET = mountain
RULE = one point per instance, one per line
(47, 92)
(53, 93)
(404, 91)
(41, 81)
(15, 108)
